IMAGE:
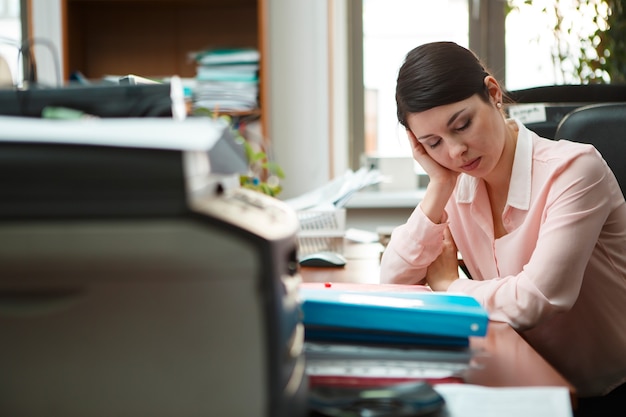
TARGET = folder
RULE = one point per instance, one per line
(329, 363)
(364, 314)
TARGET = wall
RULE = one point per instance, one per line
(300, 123)
(307, 76)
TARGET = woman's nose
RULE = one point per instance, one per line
(457, 148)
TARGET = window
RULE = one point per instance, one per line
(538, 31)
(10, 35)
(390, 29)
(523, 41)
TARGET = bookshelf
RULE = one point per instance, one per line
(153, 38)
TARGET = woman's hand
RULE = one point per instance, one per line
(441, 181)
(445, 269)
(436, 172)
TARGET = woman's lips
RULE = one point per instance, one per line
(471, 165)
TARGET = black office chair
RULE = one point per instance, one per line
(604, 126)
(559, 100)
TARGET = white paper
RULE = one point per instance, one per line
(337, 192)
(467, 400)
(528, 113)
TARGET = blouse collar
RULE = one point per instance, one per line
(520, 185)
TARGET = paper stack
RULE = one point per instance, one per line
(375, 334)
(227, 80)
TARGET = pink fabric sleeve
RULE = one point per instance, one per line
(413, 246)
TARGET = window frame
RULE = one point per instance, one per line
(486, 39)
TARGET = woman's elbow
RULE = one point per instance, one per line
(528, 316)
(393, 273)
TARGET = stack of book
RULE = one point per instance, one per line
(227, 80)
(372, 334)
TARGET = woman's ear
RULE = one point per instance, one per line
(495, 92)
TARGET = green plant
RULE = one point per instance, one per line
(611, 45)
(589, 38)
(263, 174)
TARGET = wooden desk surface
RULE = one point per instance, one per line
(503, 358)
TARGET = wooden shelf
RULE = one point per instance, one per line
(153, 38)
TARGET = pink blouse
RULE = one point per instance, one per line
(559, 274)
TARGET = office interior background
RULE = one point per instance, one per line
(332, 66)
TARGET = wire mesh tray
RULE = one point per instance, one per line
(321, 230)
(322, 223)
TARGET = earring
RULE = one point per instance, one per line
(499, 105)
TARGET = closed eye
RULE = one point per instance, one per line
(465, 126)
(433, 144)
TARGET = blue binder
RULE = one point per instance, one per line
(398, 317)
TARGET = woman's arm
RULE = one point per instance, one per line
(412, 248)
(416, 244)
(441, 181)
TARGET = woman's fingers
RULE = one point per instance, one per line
(448, 240)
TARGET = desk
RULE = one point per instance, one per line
(503, 358)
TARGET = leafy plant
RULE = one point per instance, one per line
(611, 48)
(589, 37)
(263, 174)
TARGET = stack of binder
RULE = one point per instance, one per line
(227, 80)
(370, 334)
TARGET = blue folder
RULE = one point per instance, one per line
(418, 317)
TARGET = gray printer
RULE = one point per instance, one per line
(135, 280)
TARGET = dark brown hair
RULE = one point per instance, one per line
(436, 74)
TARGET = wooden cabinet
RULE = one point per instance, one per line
(153, 37)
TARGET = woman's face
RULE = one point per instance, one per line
(467, 136)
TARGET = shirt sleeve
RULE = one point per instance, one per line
(577, 207)
(412, 248)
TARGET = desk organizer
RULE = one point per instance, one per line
(321, 230)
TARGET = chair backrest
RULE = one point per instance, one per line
(558, 100)
(604, 126)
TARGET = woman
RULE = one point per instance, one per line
(540, 224)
